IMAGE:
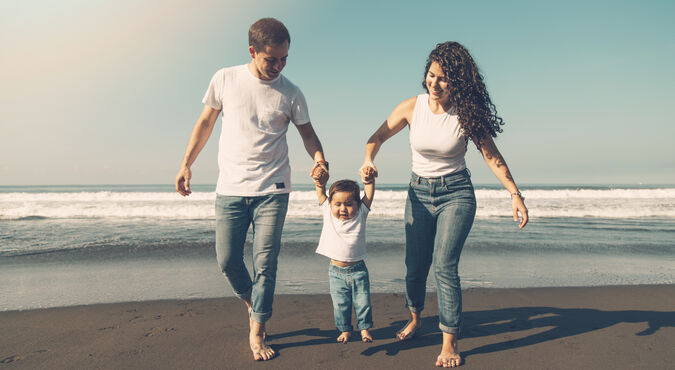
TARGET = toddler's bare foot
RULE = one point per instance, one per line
(344, 337)
(449, 356)
(365, 336)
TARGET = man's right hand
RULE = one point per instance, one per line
(319, 173)
(183, 181)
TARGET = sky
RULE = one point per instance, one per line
(103, 92)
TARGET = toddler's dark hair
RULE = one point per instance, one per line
(348, 186)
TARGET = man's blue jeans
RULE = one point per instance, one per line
(350, 285)
(439, 214)
(233, 216)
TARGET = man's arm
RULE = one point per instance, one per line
(311, 141)
(200, 135)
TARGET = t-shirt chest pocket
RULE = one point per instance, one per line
(272, 120)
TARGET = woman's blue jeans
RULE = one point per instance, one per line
(350, 285)
(439, 214)
(233, 216)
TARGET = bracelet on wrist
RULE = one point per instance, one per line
(518, 194)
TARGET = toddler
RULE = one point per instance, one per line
(343, 240)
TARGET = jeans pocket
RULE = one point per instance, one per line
(462, 183)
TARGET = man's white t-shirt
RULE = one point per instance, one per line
(343, 240)
(252, 151)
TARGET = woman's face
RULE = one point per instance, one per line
(437, 83)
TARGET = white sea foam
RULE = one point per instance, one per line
(388, 204)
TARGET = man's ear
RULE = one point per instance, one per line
(251, 51)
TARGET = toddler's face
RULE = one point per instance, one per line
(343, 206)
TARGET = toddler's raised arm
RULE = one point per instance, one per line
(320, 176)
(368, 186)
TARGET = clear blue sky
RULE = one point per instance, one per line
(103, 92)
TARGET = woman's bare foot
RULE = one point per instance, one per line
(256, 338)
(365, 336)
(410, 328)
(344, 337)
(449, 356)
(250, 320)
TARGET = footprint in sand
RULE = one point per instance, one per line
(158, 331)
(15, 358)
(136, 319)
(188, 313)
(10, 359)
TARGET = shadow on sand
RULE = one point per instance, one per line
(561, 323)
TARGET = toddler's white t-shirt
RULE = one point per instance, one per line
(252, 151)
(343, 240)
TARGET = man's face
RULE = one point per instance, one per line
(269, 62)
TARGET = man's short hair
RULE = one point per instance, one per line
(267, 31)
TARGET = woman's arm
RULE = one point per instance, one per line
(397, 120)
(497, 164)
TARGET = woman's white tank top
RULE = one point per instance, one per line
(437, 142)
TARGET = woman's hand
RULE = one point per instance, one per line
(518, 205)
(368, 172)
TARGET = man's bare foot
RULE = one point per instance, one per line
(365, 336)
(256, 338)
(449, 356)
(344, 337)
(410, 328)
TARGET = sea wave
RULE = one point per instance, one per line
(388, 204)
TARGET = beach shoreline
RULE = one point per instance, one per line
(630, 326)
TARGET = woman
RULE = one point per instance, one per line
(441, 204)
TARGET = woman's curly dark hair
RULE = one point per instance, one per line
(468, 94)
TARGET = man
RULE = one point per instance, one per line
(257, 104)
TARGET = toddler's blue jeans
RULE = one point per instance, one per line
(350, 286)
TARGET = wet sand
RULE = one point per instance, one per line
(628, 327)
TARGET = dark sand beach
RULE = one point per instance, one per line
(627, 327)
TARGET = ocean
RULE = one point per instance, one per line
(72, 245)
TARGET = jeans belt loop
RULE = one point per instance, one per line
(442, 180)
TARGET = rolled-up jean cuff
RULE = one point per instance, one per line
(415, 309)
(343, 329)
(448, 329)
(260, 318)
(366, 326)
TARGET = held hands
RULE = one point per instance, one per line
(518, 205)
(368, 172)
(319, 173)
(183, 181)
(368, 176)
